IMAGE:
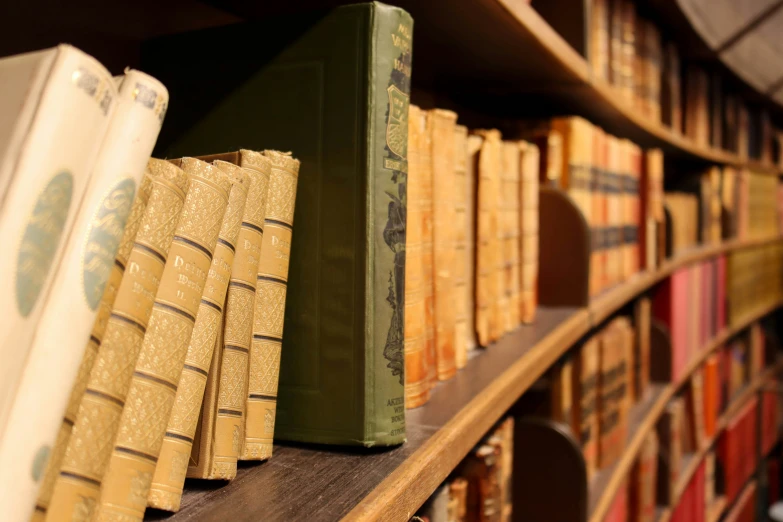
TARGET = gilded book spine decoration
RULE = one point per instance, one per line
(417, 385)
(271, 283)
(443, 191)
(89, 449)
(125, 487)
(462, 295)
(169, 478)
(91, 351)
(238, 331)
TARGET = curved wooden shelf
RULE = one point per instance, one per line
(299, 482)
(604, 488)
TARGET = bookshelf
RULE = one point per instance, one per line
(391, 485)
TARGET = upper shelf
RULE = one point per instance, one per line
(327, 483)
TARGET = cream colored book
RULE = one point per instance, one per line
(80, 282)
(443, 181)
(89, 449)
(529, 229)
(463, 301)
(474, 144)
(172, 466)
(238, 332)
(57, 105)
(510, 233)
(271, 287)
(126, 485)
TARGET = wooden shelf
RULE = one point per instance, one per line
(715, 511)
(603, 489)
(326, 483)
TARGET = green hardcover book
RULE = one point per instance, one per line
(333, 88)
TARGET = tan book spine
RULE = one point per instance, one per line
(442, 132)
(487, 238)
(238, 331)
(462, 298)
(89, 448)
(172, 466)
(511, 223)
(458, 499)
(272, 281)
(417, 385)
(428, 256)
(529, 185)
(126, 485)
(91, 350)
(474, 147)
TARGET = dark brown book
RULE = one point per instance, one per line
(480, 469)
(669, 431)
(586, 368)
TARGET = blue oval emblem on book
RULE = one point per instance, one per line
(41, 239)
(103, 239)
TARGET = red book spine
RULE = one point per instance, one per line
(699, 485)
(773, 480)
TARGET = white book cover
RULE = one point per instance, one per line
(48, 157)
(65, 326)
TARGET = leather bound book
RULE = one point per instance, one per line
(126, 485)
(503, 440)
(91, 351)
(608, 404)
(428, 252)
(598, 210)
(463, 299)
(90, 271)
(442, 126)
(88, 452)
(599, 38)
(458, 498)
(510, 224)
(616, 43)
(642, 319)
(474, 144)
(562, 394)
(669, 429)
(487, 247)
(576, 159)
(417, 384)
(529, 231)
(169, 478)
(57, 106)
(614, 211)
(269, 83)
(711, 395)
(696, 409)
(671, 90)
(586, 376)
(629, 50)
(643, 480)
(480, 470)
(270, 299)
(238, 322)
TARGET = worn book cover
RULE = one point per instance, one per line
(318, 84)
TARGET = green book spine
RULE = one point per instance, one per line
(332, 87)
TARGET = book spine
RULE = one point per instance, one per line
(528, 277)
(170, 471)
(586, 378)
(88, 261)
(49, 165)
(596, 230)
(474, 143)
(443, 195)
(89, 451)
(425, 159)
(511, 194)
(153, 387)
(487, 244)
(462, 298)
(267, 334)
(239, 314)
(384, 408)
(417, 385)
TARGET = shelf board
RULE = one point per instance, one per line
(715, 511)
(324, 482)
(603, 489)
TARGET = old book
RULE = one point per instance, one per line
(91, 351)
(458, 498)
(474, 144)
(599, 176)
(562, 395)
(126, 484)
(355, 381)
(696, 409)
(616, 43)
(57, 107)
(463, 298)
(643, 481)
(480, 469)
(599, 39)
(272, 280)
(442, 125)
(608, 404)
(529, 231)
(642, 321)
(503, 440)
(671, 89)
(632, 209)
(428, 253)
(171, 468)
(238, 323)
(417, 385)
(487, 247)
(669, 430)
(629, 49)
(510, 222)
(650, 211)
(614, 211)
(586, 376)
(80, 281)
(88, 452)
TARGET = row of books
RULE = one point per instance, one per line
(754, 280)
(628, 51)
(480, 488)
(471, 244)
